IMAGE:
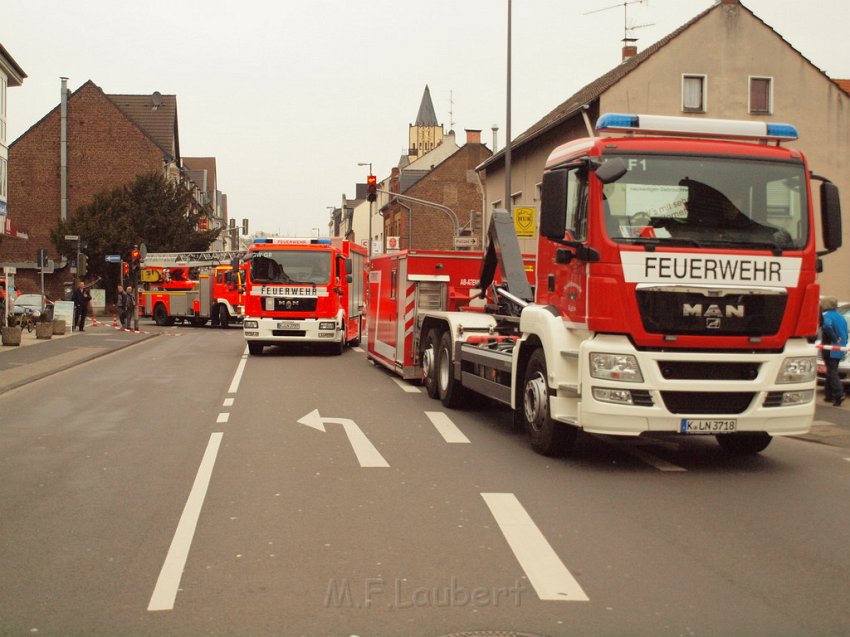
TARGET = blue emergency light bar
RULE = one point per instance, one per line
(696, 127)
(291, 241)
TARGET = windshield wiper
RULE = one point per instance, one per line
(653, 242)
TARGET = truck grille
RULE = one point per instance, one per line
(695, 402)
(691, 312)
(294, 305)
(687, 370)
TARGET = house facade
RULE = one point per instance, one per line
(109, 140)
(10, 75)
(749, 72)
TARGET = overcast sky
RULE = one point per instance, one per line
(289, 96)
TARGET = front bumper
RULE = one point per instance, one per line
(267, 330)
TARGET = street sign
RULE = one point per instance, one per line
(72, 237)
(466, 242)
(113, 258)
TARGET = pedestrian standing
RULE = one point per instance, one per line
(833, 332)
(81, 299)
(121, 305)
(130, 307)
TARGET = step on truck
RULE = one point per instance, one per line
(193, 288)
(675, 290)
(304, 290)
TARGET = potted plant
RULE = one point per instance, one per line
(43, 328)
(11, 334)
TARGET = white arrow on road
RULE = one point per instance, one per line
(365, 451)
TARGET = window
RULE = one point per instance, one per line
(577, 204)
(2, 179)
(693, 94)
(760, 94)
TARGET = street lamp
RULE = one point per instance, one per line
(371, 203)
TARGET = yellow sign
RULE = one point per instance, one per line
(525, 222)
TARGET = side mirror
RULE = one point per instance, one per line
(830, 210)
(611, 170)
(553, 209)
(348, 267)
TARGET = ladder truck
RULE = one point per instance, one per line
(675, 291)
(193, 287)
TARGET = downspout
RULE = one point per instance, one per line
(63, 152)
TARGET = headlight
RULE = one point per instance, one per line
(622, 367)
(327, 325)
(251, 324)
(798, 370)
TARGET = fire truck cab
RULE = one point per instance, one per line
(304, 290)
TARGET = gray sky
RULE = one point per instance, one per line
(289, 96)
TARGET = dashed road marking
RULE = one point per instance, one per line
(410, 389)
(223, 417)
(545, 570)
(446, 428)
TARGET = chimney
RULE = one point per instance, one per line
(473, 136)
(629, 48)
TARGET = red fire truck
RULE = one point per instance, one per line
(403, 285)
(193, 287)
(304, 290)
(675, 291)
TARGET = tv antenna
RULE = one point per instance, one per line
(627, 28)
(451, 111)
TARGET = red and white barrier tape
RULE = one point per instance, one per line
(832, 348)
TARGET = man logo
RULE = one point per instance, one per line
(713, 311)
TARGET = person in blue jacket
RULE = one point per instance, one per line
(833, 332)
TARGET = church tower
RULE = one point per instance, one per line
(426, 134)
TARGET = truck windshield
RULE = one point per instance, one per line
(700, 201)
(291, 266)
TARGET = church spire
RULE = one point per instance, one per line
(426, 115)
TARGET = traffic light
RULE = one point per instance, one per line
(125, 268)
(372, 187)
(244, 226)
(135, 258)
(83, 265)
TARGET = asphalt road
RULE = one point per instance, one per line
(181, 487)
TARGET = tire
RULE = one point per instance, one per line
(449, 389)
(547, 437)
(339, 347)
(428, 362)
(160, 315)
(255, 349)
(744, 444)
(223, 316)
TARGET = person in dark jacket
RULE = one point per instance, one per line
(81, 299)
(833, 332)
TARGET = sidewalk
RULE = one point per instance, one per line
(36, 358)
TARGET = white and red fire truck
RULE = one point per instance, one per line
(193, 287)
(675, 291)
(304, 290)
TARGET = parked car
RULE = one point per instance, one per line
(37, 303)
(844, 365)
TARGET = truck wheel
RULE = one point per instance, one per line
(548, 437)
(744, 444)
(255, 349)
(160, 315)
(450, 390)
(428, 358)
(223, 316)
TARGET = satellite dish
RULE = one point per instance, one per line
(156, 98)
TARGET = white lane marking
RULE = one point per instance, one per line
(168, 582)
(446, 428)
(359, 349)
(228, 402)
(545, 570)
(410, 389)
(223, 417)
(234, 384)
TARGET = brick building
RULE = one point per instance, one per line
(109, 141)
(452, 183)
